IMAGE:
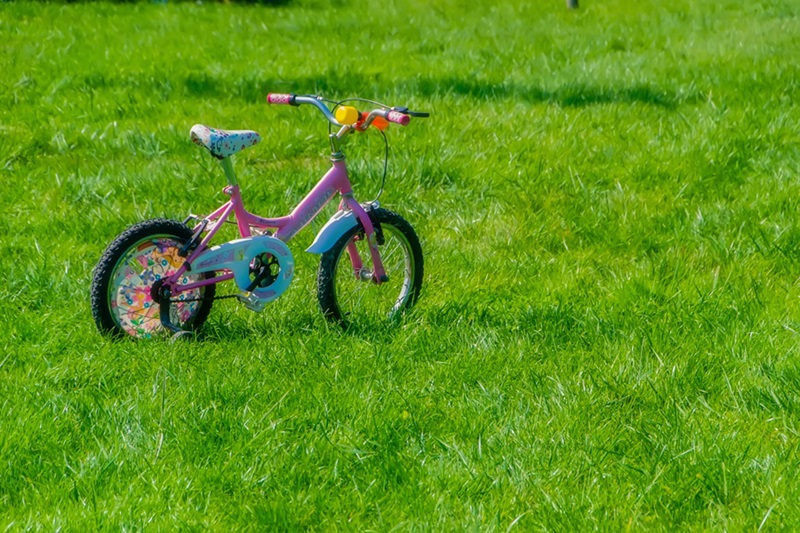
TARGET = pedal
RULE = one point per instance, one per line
(251, 301)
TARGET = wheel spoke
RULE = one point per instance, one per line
(347, 298)
(145, 262)
(364, 297)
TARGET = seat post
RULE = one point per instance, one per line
(227, 166)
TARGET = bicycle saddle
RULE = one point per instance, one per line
(223, 143)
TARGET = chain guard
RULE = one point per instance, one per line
(238, 256)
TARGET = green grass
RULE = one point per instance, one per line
(608, 334)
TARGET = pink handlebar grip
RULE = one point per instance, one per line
(398, 118)
(277, 98)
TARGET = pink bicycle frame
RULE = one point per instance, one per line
(336, 180)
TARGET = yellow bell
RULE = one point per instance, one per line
(346, 114)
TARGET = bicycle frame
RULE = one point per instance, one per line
(336, 180)
(161, 270)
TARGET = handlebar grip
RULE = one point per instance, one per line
(398, 118)
(278, 98)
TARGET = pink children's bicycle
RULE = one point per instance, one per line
(160, 276)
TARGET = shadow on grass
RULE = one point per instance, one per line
(572, 95)
(232, 327)
(254, 89)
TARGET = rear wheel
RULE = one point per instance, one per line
(122, 298)
(346, 295)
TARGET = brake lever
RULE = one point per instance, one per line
(407, 111)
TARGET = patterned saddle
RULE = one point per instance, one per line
(223, 143)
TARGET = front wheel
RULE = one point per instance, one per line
(347, 294)
(122, 295)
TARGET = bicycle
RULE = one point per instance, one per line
(160, 275)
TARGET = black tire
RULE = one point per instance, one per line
(345, 298)
(156, 240)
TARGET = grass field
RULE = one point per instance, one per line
(609, 326)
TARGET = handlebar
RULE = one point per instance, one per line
(397, 115)
(296, 100)
(398, 118)
(278, 98)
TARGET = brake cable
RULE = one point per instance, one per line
(385, 139)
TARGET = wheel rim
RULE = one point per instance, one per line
(358, 298)
(133, 308)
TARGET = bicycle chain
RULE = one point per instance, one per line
(225, 297)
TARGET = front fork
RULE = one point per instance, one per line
(379, 272)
